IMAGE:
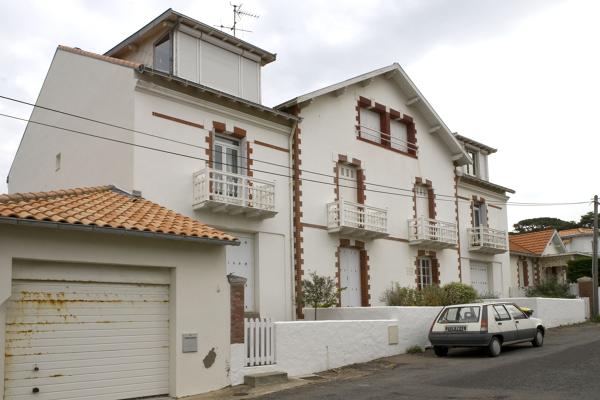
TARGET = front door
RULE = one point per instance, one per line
(227, 159)
(240, 262)
(350, 277)
(480, 277)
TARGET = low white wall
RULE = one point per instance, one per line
(553, 312)
(305, 347)
(413, 322)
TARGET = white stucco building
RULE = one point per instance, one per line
(578, 240)
(360, 180)
(401, 198)
(180, 104)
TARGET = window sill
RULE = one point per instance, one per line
(387, 147)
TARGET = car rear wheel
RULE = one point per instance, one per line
(538, 340)
(440, 351)
(495, 347)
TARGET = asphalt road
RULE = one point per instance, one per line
(566, 367)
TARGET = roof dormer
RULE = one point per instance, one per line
(177, 45)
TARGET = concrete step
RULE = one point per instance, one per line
(265, 378)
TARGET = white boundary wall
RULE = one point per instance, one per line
(344, 336)
(413, 322)
(553, 312)
(305, 347)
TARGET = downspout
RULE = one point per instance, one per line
(291, 213)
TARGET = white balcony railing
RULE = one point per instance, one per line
(356, 219)
(233, 193)
(381, 137)
(431, 232)
(487, 240)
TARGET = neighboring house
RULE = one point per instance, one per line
(538, 257)
(391, 211)
(578, 240)
(100, 294)
(483, 221)
(226, 160)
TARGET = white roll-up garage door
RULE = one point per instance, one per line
(86, 340)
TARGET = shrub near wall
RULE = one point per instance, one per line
(451, 293)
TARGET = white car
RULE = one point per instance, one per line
(490, 325)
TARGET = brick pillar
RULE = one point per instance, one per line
(236, 304)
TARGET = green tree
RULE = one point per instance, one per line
(579, 267)
(543, 223)
(319, 292)
(587, 220)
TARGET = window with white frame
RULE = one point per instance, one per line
(425, 272)
(163, 54)
(370, 125)
(479, 214)
(399, 136)
(473, 169)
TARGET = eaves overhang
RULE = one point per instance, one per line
(416, 100)
(169, 78)
(114, 231)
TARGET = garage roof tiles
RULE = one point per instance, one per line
(105, 207)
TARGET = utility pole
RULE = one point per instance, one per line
(595, 261)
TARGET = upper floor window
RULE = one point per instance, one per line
(386, 127)
(227, 154)
(399, 136)
(479, 214)
(370, 125)
(163, 50)
(473, 169)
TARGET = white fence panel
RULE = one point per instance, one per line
(259, 337)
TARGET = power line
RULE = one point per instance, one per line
(410, 191)
(450, 199)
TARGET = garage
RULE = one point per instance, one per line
(480, 277)
(77, 339)
(99, 292)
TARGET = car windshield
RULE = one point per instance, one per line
(460, 315)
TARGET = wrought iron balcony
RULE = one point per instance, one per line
(233, 194)
(487, 240)
(432, 233)
(356, 220)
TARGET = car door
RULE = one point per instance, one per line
(525, 327)
(506, 325)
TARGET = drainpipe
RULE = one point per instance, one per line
(291, 194)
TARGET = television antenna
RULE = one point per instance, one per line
(238, 13)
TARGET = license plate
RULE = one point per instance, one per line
(456, 328)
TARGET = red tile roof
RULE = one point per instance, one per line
(105, 207)
(101, 57)
(576, 232)
(532, 242)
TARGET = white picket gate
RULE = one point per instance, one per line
(259, 336)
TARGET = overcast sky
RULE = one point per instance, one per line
(519, 75)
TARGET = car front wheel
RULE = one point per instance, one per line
(495, 347)
(440, 351)
(538, 340)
